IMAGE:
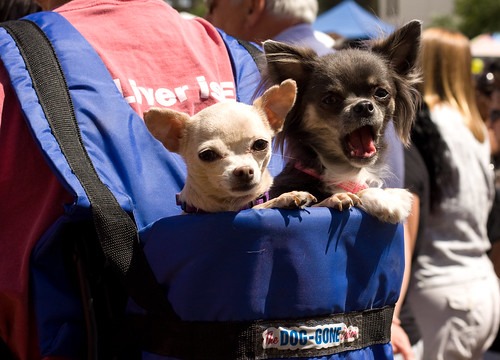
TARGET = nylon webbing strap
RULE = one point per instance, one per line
(256, 54)
(116, 230)
(314, 337)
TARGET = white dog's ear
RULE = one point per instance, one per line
(167, 126)
(276, 102)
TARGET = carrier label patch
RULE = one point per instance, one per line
(309, 337)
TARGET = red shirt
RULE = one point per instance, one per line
(157, 58)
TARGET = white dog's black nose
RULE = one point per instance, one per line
(244, 173)
(364, 108)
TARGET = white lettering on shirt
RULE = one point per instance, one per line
(228, 89)
(204, 92)
(166, 97)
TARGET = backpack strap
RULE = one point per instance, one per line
(116, 230)
(247, 73)
(217, 325)
(256, 53)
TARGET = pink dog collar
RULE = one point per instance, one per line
(349, 186)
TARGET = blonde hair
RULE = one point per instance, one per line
(446, 64)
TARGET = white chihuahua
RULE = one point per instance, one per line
(227, 147)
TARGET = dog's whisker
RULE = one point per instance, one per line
(286, 157)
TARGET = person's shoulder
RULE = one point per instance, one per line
(446, 115)
(304, 35)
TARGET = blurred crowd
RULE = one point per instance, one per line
(451, 295)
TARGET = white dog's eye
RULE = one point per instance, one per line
(208, 155)
(381, 93)
(260, 145)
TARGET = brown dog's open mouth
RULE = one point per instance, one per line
(360, 143)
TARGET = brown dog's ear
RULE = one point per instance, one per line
(287, 61)
(401, 47)
(276, 102)
(167, 126)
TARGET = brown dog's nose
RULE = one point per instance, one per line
(364, 108)
(243, 172)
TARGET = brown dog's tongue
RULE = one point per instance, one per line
(361, 142)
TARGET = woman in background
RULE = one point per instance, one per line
(454, 293)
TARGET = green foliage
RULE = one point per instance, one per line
(197, 7)
(478, 16)
(451, 22)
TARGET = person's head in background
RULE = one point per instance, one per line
(488, 85)
(488, 98)
(484, 86)
(259, 20)
(15, 9)
(446, 62)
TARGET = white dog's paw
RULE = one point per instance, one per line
(289, 200)
(341, 201)
(388, 205)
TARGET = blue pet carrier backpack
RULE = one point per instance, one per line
(147, 282)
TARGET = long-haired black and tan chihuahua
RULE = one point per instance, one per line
(333, 137)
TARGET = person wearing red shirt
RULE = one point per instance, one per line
(156, 58)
